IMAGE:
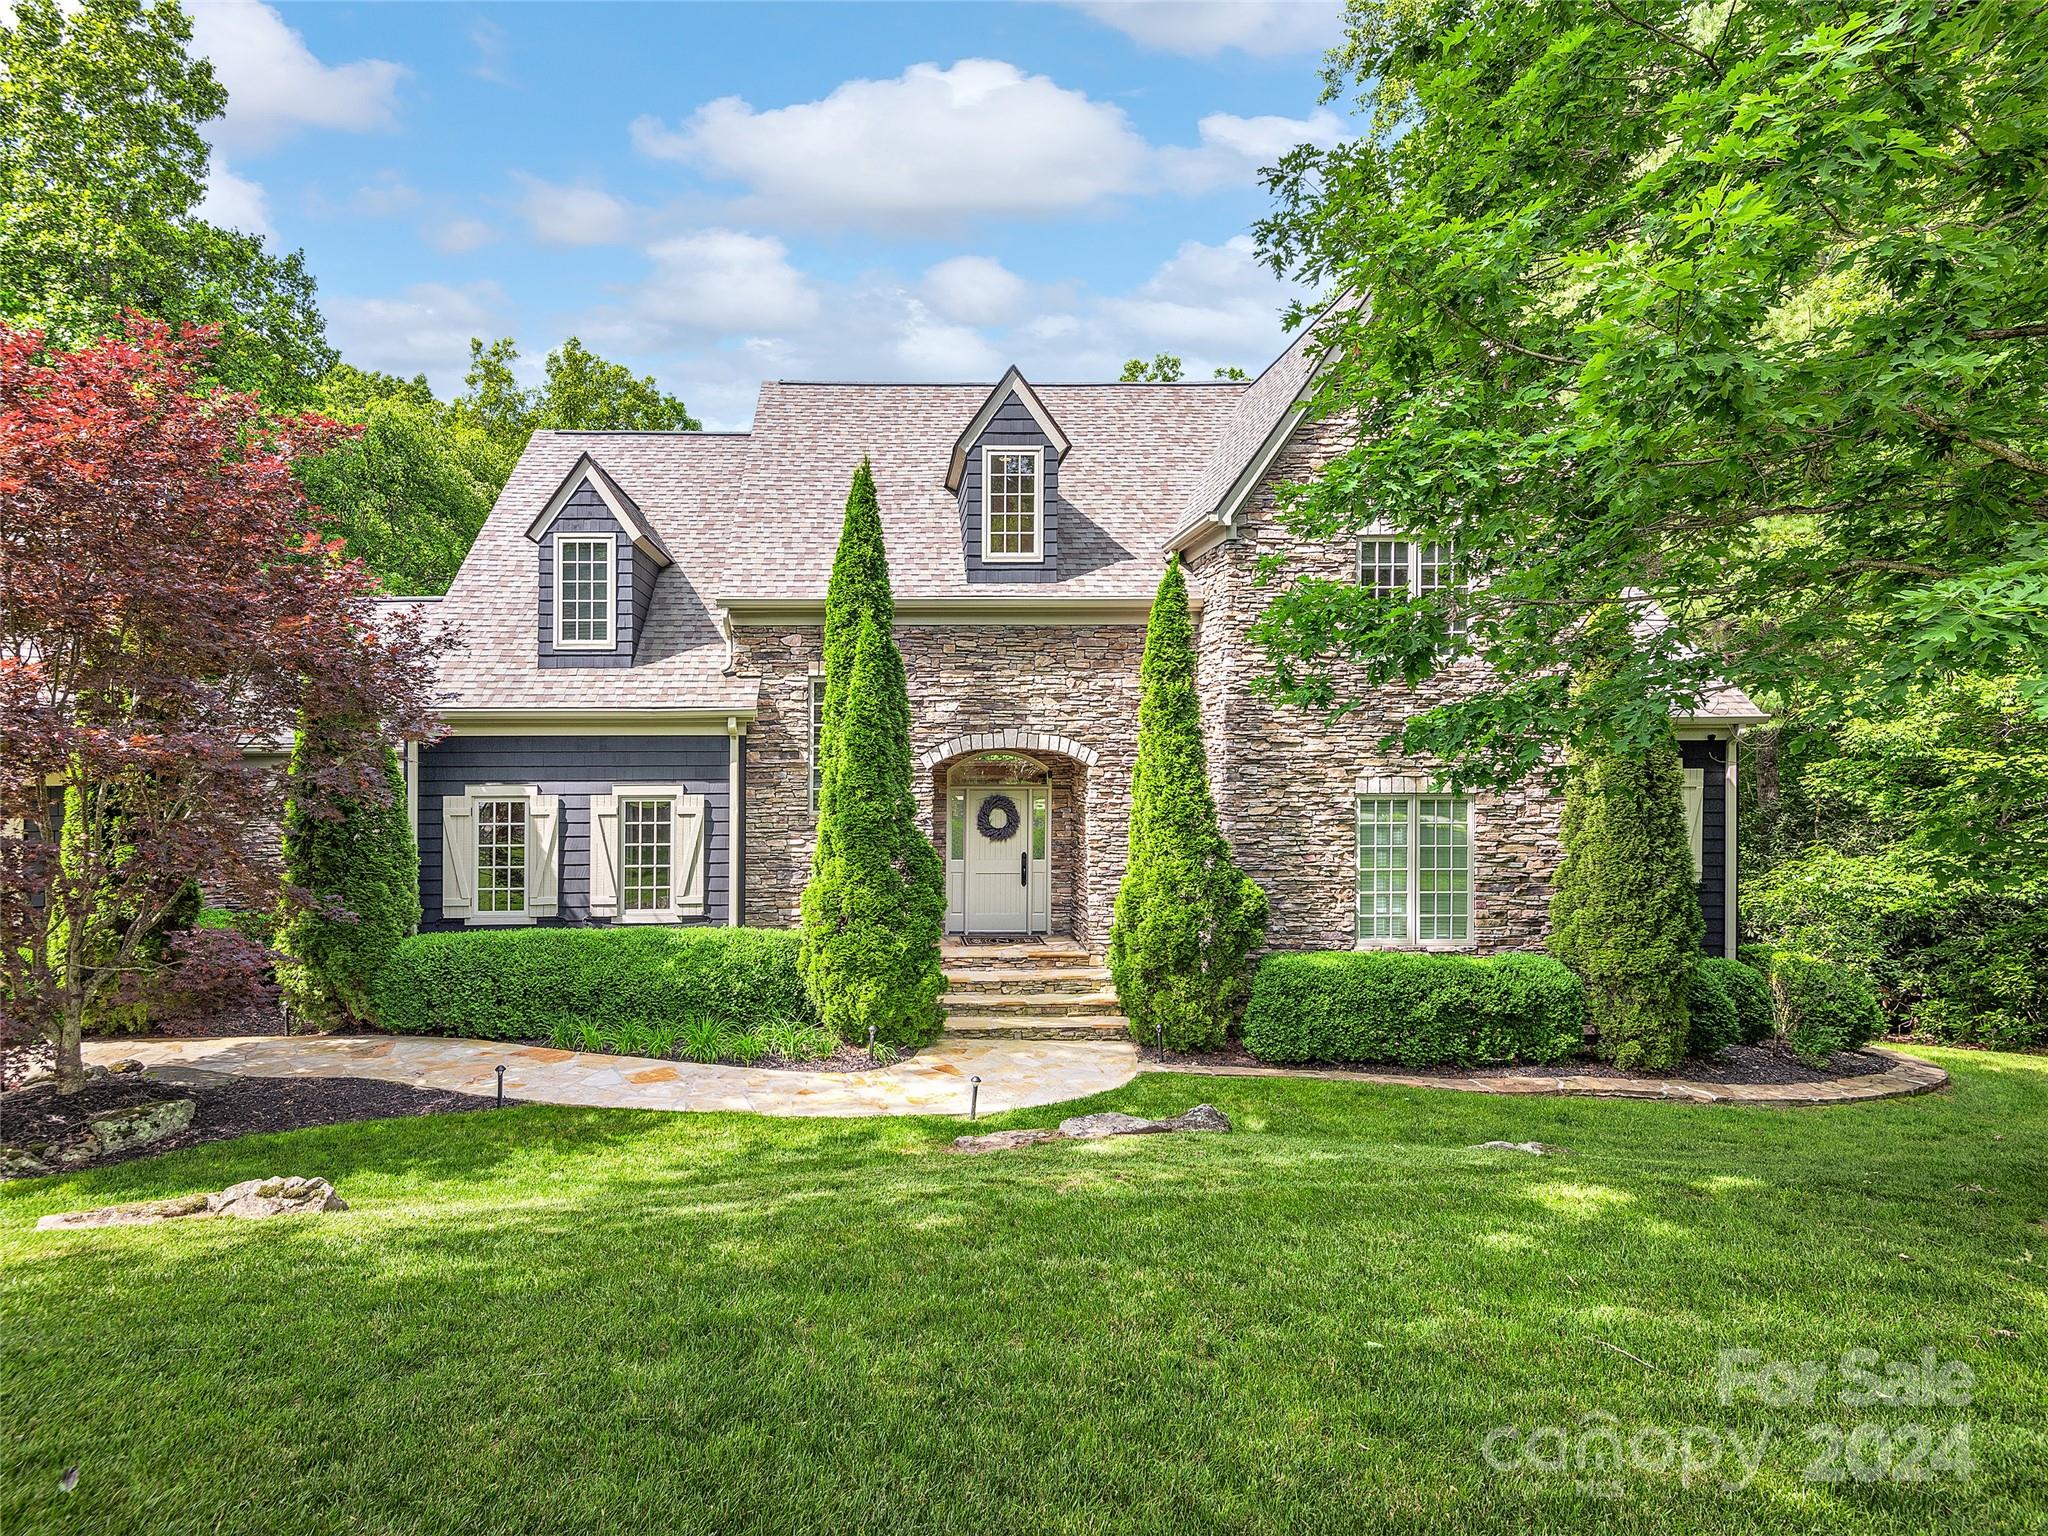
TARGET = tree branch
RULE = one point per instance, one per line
(2009, 332)
(1996, 449)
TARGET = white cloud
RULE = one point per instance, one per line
(974, 290)
(723, 282)
(557, 214)
(455, 237)
(488, 38)
(1235, 149)
(385, 197)
(276, 86)
(426, 329)
(235, 202)
(931, 147)
(925, 347)
(1214, 305)
(1203, 28)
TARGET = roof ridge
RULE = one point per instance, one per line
(989, 384)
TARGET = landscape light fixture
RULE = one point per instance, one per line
(871, 1042)
(501, 1085)
(974, 1099)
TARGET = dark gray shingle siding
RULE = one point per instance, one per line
(575, 767)
(1712, 756)
(1012, 426)
(587, 513)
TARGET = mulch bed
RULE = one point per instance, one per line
(1769, 1063)
(238, 1106)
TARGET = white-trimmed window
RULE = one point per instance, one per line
(1392, 566)
(647, 853)
(814, 706)
(1012, 504)
(584, 590)
(1414, 870)
(500, 847)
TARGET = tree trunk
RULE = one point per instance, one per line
(70, 1044)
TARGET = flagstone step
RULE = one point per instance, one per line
(1050, 1003)
(1100, 1026)
(1007, 955)
(1050, 978)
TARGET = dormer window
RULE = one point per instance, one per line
(584, 591)
(1013, 509)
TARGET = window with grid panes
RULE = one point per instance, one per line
(583, 597)
(646, 855)
(501, 856)
(1414, 869)
(1009, 506)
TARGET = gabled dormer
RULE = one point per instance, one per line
(1006, 471)
(599, 557)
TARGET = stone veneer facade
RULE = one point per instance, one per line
(1286, 779)
(1077, 682)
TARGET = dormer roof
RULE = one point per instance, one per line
(1012, 383)
(622, 507)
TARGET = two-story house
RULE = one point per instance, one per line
(633, 713)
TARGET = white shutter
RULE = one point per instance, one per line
(690, 824)
(543, 854)
(458, 856)
(604, 855)
(1695, 818)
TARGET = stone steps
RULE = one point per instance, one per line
(1039, 989)
(1071, 1027)
(1052, 1004)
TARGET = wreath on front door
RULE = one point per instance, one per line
(998, 818)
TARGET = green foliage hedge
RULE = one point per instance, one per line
(1711, 1022)
(1416, 1010)
(547, 983)
(1822, 1006)
(1748, 991)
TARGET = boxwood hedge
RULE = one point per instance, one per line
(1748, 991)
(1416, 1010)
(1823, 1006)
(528, 983)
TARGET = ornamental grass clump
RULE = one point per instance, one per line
(1187, 920)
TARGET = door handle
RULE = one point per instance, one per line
(1024, 867)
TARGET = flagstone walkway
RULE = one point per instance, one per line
(1015, 1074)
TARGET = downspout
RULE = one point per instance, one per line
(1732, 842)
(735, 743)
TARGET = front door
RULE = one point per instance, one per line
(998, 866)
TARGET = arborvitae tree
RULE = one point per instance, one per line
(859, 587)
(356, 870)
(874, 910)
(1624, 909)
(1188, 920)
(875, 907)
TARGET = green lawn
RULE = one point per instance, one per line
(581, 1321)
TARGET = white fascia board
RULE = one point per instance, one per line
(581, 722)
(644, 538)
(1012, 383)
(748, 612)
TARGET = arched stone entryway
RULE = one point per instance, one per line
(969, 788)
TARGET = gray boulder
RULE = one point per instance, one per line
(1533, 1148)
(135, 1125)
(1203, 1117)
(251, 1200)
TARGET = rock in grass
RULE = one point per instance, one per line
(1533, 1148)
(1203, 1117)
(251, 1199)
(1002, 1141)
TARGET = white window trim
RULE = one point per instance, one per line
(610, 541)
(814, 729)
(1379, 534)
(685, 857)
(1037, 554)
(479, 795)
(1414, 887)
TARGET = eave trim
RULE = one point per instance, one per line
(1012, 383)
(621, 506)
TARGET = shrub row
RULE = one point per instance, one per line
(546, 983)
(1415, 1010)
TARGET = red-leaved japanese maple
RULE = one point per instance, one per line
(168, 602)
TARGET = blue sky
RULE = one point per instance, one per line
(722, 193)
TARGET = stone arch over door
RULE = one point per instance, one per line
(1076, 882)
